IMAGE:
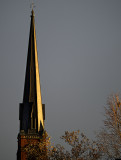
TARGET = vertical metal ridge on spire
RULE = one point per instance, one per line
(32, 92)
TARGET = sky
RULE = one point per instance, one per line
(79, 53)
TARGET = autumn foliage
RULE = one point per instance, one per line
(81, 148)
(109, 138)
(106, 146)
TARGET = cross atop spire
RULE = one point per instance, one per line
(32, 5)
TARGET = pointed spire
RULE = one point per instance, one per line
(32, 92)
(32, 13)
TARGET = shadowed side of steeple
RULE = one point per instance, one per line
(31, 110)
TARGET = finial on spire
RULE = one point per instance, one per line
(32, 6)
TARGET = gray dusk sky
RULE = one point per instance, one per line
(79, 52)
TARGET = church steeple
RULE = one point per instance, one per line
(32, 110)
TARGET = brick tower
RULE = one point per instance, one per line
(31, 111)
